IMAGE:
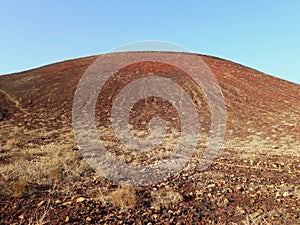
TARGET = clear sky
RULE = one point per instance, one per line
(264, 34)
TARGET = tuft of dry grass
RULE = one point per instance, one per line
(57, 175)
(165, 197)
(124, 197)
(19, 188)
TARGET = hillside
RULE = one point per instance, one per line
(255, 179)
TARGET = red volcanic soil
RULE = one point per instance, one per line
(255, 179)
(252, 98)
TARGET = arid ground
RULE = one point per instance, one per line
(255, 178)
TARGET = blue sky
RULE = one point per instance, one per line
(264, 35)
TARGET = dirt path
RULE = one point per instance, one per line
(14, 101)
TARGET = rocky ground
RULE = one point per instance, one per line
(231, 192)
(238, 188)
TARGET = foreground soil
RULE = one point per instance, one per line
(264, 191)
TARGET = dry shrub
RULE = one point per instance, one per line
(165, 197)
(124, 197)
(19, 188)
(57, 175)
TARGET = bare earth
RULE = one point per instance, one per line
(44, 179)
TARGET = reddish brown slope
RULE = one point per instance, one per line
(254, 101)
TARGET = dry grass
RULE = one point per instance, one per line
(147, 156)
(19, 188)
(124, 197)
(50, 165)
(57, 175)
(254, 145)
(257, 221)
(11, 143)
(165, 197)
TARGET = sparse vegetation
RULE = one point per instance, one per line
(165, 197)
(124, 197)
(19, 188)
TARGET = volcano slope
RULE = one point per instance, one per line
(255, 178)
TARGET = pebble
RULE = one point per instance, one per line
(286, 194)
(199, 192)
(211, 186)
(155, 216)
(239, 188)
(80, 199)
(226, 202)
(21, 217)
(242, 211)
